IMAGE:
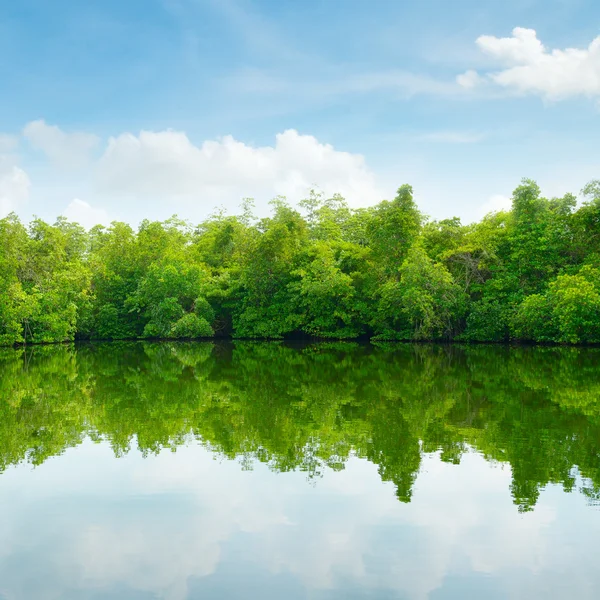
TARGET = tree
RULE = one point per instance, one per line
(393, 229)
(568, 312)
(331, 271)
(424, 303)
(325, 296)
(265, 307)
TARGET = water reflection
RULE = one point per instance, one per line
(309, 408)
(315, 472)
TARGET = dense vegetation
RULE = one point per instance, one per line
(310, 408)
(324, 270)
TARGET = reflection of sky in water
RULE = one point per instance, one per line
(185, 525)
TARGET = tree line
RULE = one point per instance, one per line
(321, 270)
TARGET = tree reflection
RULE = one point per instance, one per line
(310, 407)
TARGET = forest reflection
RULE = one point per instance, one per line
(311, 407)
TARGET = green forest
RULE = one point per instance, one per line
(320, 270)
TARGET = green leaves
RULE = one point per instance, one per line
(425, 302)
(393, 228)
(336, 272)
(191, 326)
(568, 312)
(325, 296)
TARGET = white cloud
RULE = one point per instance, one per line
(68, 150)
(8, 142)
(14, 187)
(469, 79)
(532, 68)
(496, 203)
(84, 214)
(329, 83)
(406, 83)
(168, 165)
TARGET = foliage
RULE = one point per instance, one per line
(568, 312)
(424, 303)
(191, 326)
(325, 270)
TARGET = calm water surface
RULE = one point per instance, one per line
(171, 471)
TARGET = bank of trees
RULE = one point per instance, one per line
(321, 269)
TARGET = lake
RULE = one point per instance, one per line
(183, 471)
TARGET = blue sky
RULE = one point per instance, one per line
(125, 110)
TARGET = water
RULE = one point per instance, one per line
(199, 471)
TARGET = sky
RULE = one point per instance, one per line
(113, 110)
